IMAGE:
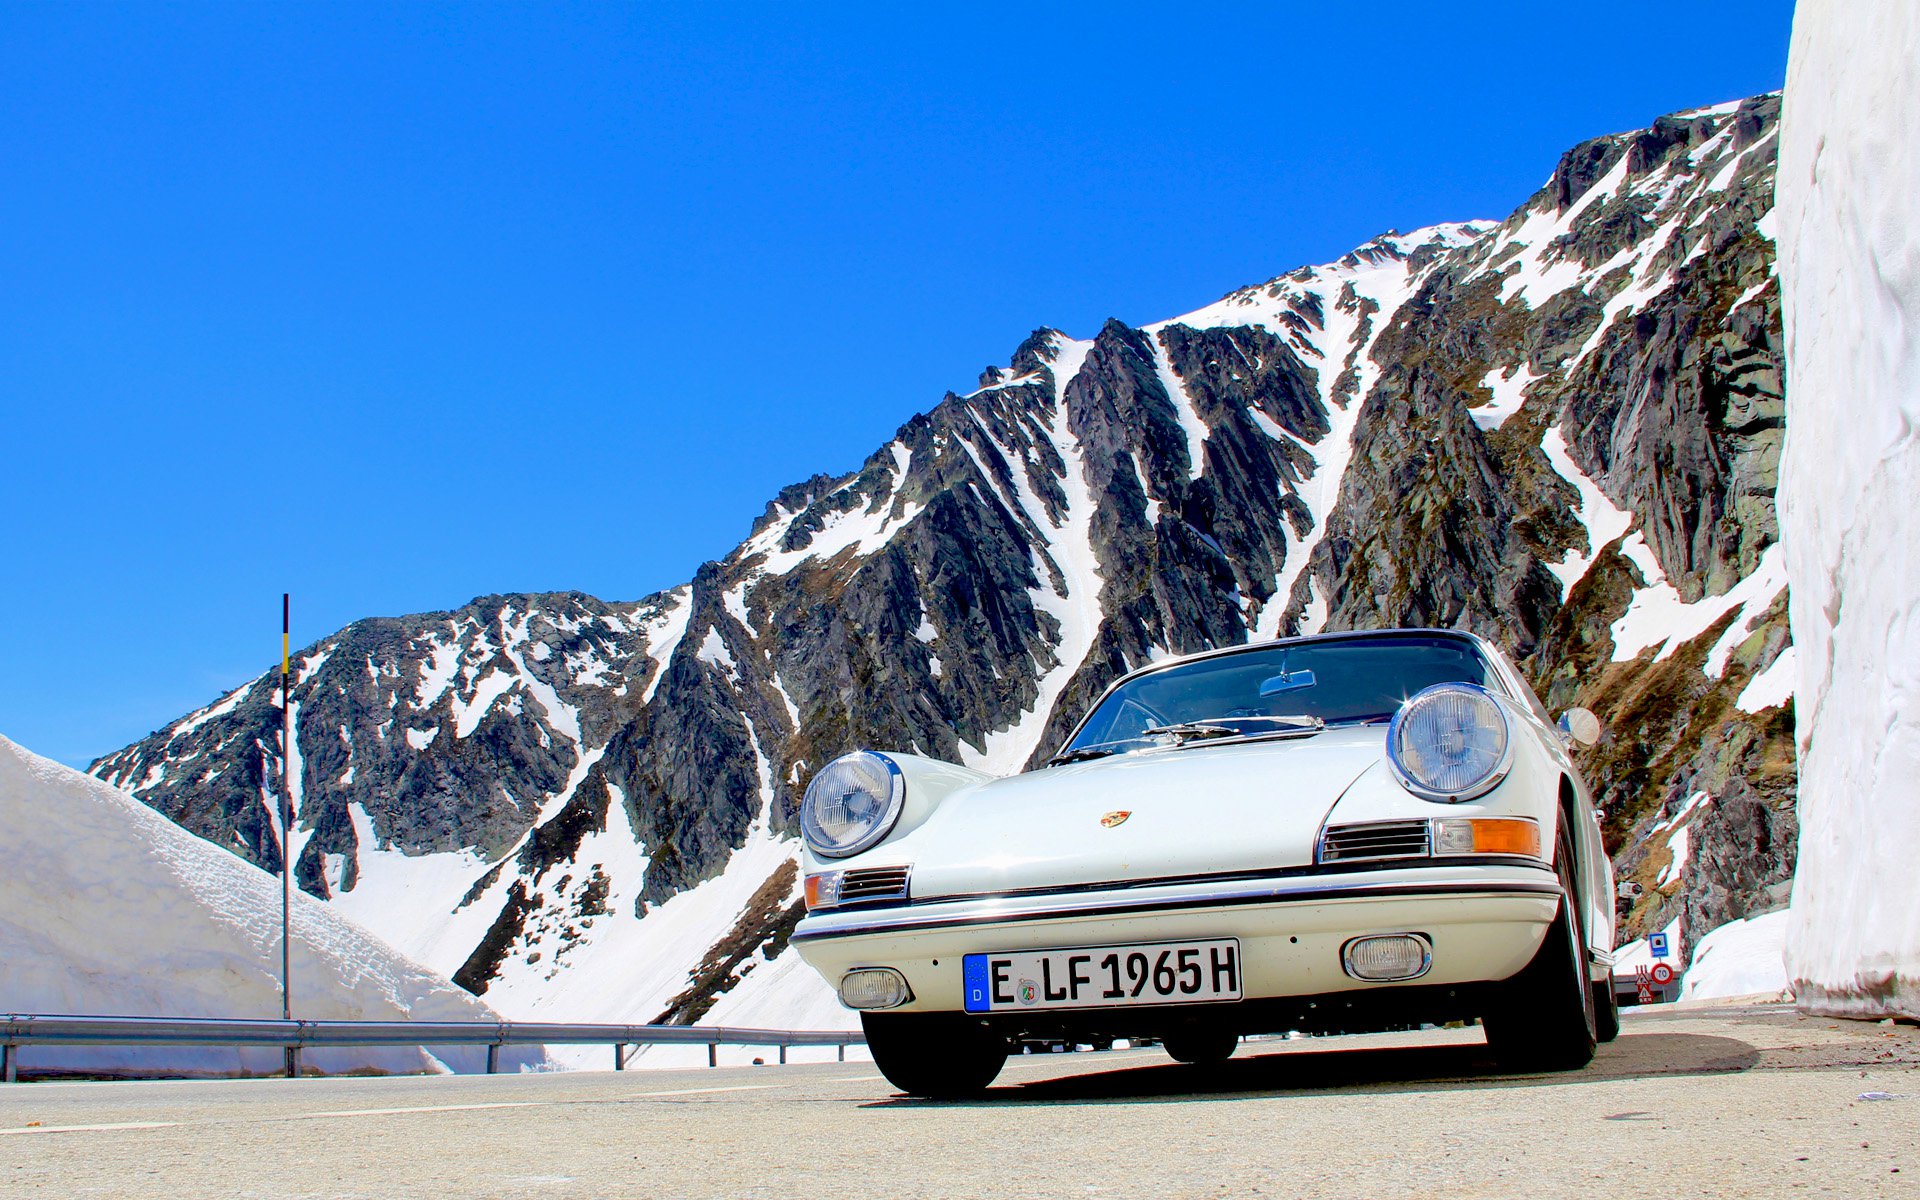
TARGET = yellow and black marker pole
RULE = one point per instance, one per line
(286, 823)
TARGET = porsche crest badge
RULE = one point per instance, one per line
(1115, 818)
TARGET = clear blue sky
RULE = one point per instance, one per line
(395, 306)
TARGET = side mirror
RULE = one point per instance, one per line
(1581, 725)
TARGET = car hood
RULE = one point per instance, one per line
(1198, 809)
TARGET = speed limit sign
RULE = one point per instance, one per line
(1662, 974)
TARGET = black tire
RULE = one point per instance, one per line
(1545, 1018)
(1201, 1047)
(1606, 1012)
(942, 1056)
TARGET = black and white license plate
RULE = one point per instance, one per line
(1103, 976)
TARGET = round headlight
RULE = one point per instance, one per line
(851, 804)
(1450, 743)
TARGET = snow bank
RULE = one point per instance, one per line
(106, 907)
(1849, 237)
(1740, 958)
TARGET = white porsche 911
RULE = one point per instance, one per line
(1339, 833)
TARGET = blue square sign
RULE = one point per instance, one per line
(1657, 944)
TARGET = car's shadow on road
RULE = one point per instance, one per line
(1402, 1069)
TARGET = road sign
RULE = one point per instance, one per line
(1662, 974)
(1657, 944)
(1643, 981)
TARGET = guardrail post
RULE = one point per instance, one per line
(293, 1062)
(493, 1059)
(713, 1054)
(8, 1051)
(783, 1054)
(619, 1056)
(843, 1052)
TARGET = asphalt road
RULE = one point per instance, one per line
(1711, 1102)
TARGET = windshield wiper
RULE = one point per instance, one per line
(1185, 731)
(1104, 749)
(1191, 729)
(1296, 721)
(1081, 755)
(1230, 727)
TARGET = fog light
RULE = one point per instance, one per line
(1487, 835)
(1387, 958)
(874, 987)
(823, 890)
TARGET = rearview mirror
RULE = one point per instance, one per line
(1581, 725)
(1286, 681)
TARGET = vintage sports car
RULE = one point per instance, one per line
(1340, 833)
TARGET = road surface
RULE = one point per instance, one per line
(1704, 1102)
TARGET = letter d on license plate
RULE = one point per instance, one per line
(1103, 976)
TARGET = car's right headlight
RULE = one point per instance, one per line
(851, 804)
(1449, 743)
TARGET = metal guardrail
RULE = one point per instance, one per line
(17, 1030)
(1626, 991)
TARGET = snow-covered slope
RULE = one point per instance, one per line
(1741, 958)
(1849, 197)
(1557, 430)
(108, 908)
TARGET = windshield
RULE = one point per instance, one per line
(1271, 690)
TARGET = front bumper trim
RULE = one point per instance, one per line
(928, 915)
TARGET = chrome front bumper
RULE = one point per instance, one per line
(1485, 923)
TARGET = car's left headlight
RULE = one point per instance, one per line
(851, 804)
(1449, 743)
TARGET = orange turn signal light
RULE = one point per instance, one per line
(822, 890)
(1488, 835)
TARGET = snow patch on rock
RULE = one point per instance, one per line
(1075, 605)
(1599, 516)
(1657, 618)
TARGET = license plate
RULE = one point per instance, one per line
(1103, 976)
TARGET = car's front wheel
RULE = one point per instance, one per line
(1606, 1012)
(1544, 1019)
(942, 1056)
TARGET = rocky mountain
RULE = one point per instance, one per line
(1559, 430)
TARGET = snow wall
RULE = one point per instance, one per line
(1849, 243)
(108, 908)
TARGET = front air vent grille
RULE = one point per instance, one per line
(1376, 839)
(873, 883)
